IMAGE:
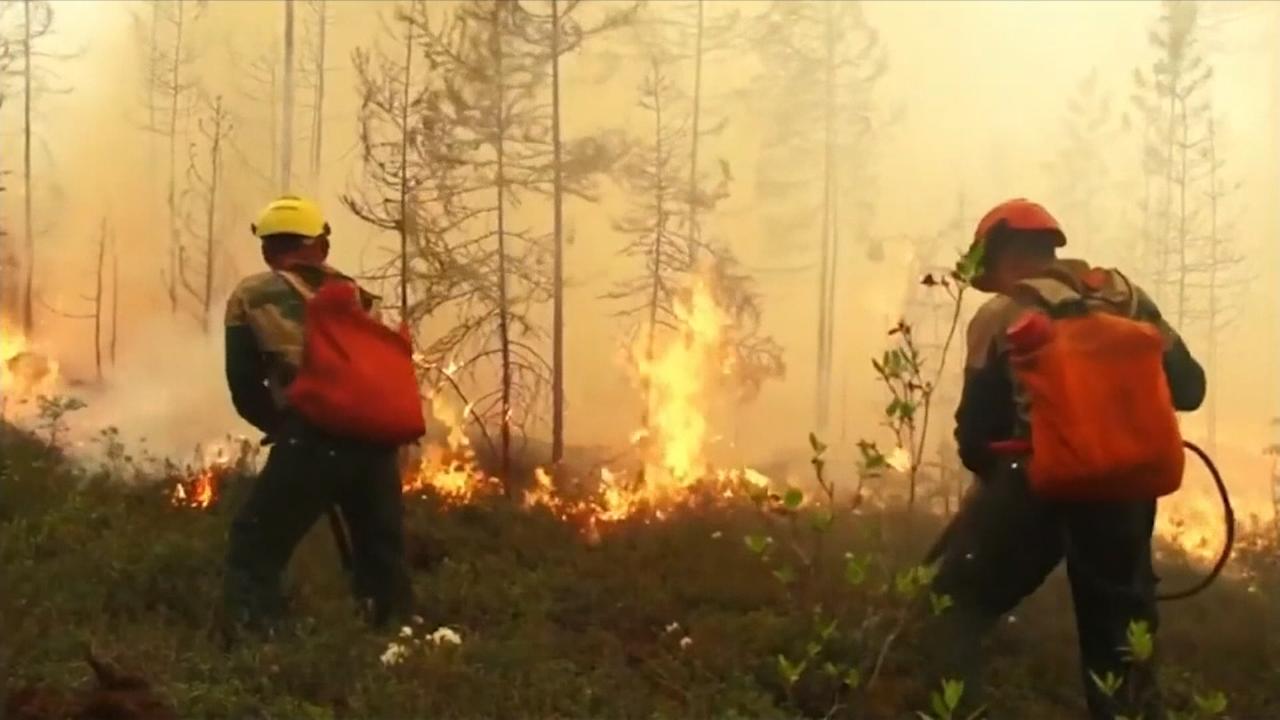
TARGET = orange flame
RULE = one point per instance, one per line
(201, 486)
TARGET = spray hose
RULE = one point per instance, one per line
(1229, 522)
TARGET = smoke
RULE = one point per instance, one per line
(166, 394)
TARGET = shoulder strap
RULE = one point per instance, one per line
(1133, 309)
(296, 283)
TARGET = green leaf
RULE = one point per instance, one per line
(829, 669)
(940, 603)
(785, 575)
(939, 706)
(853, 678)
(793, 498)
(855, 570)
(790, 672)
(758, 543)
(1141, 644)
(1211, 705)
(952, 691)
(1107, 685)
(821, 519)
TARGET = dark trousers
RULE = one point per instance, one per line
(1005, 541)
(305, 476)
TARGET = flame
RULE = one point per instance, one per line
(450, 470)
(200, 485)
(25, 372)
(680, 379)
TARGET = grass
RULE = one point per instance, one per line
(553, 625)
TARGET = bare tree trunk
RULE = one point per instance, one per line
(504, 329)
(28, 292)
(1162, 282)
(175, 256)
(286, 135)
(317, 116)
(404, 174)
(557, 302)
(1183, 270)
(825, 271)
(693, 144)
(97, 301)
(1212, 360)
(153, 73)
(215, 167)
(660, 224)
(115, 296)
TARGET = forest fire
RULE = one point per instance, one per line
(671, 468)
(199, 485)
(24, 372)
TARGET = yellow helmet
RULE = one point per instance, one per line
(291, 215)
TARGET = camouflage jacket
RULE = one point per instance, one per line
(991, 407)
(264, 337)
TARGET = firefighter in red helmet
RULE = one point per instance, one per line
(1005, 540)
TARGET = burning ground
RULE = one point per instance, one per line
(648, 582)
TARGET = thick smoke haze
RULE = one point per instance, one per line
(971, 111)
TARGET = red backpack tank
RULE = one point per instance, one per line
(1103, 427)
(357, 379)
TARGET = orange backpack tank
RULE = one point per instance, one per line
(357, 378)
(1102, 422)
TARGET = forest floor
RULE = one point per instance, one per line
(672, 618)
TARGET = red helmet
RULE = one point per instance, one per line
(1018, 214)
(1015, 214)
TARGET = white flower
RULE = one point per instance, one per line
(716, 535)
(417, 620)
(445, 635)
(406, 632)
(673, 627)
(394, 655)
(899, 459)
(685, 642)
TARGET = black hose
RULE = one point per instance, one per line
(1229, 520)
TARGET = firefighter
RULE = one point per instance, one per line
(308, 472)
(1005, 540)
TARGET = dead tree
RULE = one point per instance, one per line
(115, 298)
(260, 137)
(559, 32)
(1079, 171)
(97, 299)
(655, 176)
(37, 19)
(1170, 98)
(286, 103)
(491, 79)
(317, 47)
(204, 173)
(692, 32)
(822, 61)
(1222, 274)
(171, 98)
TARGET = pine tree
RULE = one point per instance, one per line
(1170, 98)
(204, 175)
(1080, 171)
(822, 62)
(170, 98)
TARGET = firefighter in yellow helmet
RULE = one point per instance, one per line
(307, 472)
